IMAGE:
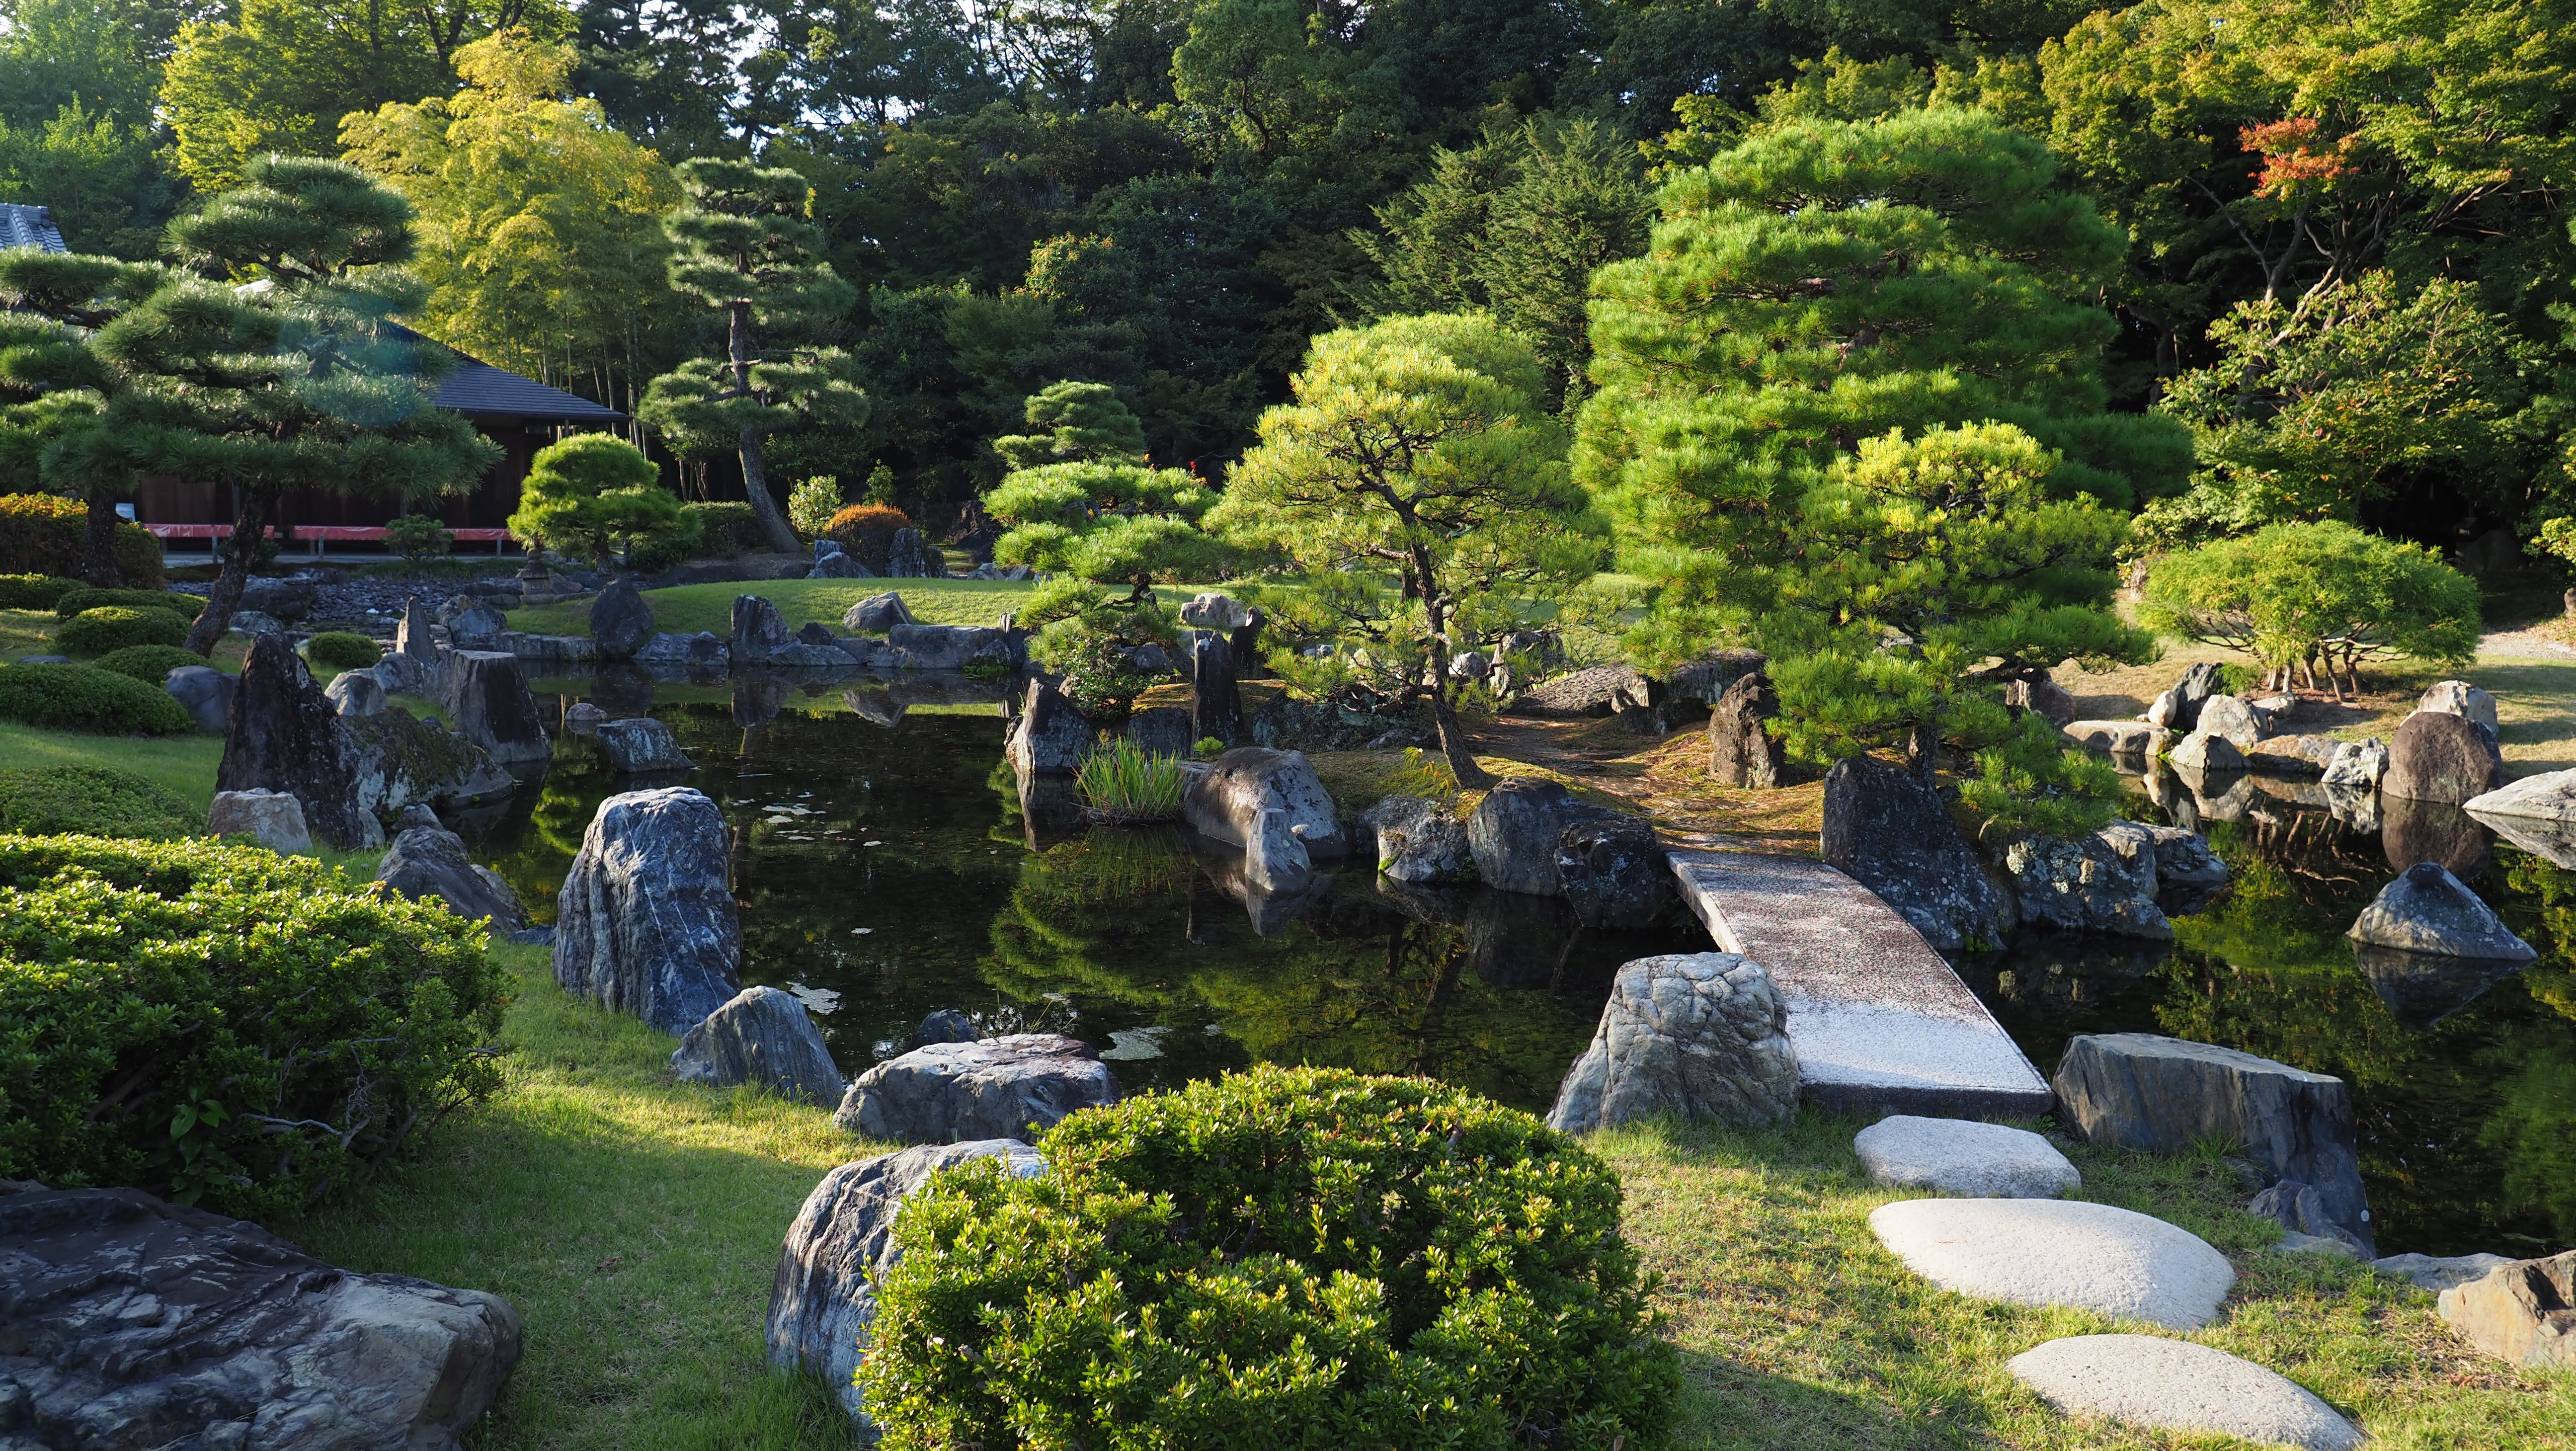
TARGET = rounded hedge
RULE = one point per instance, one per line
(150, 664)
(74, 601)
(94, 801)
(335, 650)
(225, 1026)
(116, 627)
(84, 698)
(33, 591)
(1281, 1258)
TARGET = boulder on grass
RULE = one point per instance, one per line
(355, 692)
(760, 633)
(994, 1089)
(1614, 872)
(1963, 1157)
(2044, 1252)
(1225, 802)
(764, 1037)
(205, 693)
(2460, 698)
(641, 746)
(135, 1325)
(2301, 1210)
(1698, 1035)
(1891, 833)
(645, 923)
(1514, 831)
(841, 1243)
(2442, 757)
(274, 819)
(876, 614)
(2152, 1380)
(2522, 1313)
(471, 624)
(2428, 910)
(285, 735)
(1420, 841)
(431, 861)
(620, 622)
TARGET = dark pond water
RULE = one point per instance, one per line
(886, 867)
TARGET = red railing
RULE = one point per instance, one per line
(319, 535)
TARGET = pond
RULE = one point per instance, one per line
(886, 868)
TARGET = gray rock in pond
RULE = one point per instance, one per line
(274, 819)
(2550, 796)
(285, 735)
(1698, 1035)
(1051, 738)
(1741, 752)
(400, 759)
(2439, 1274)
(1224, 802)
(2428, 910)
(2044, 1252)
(2356, 763)
(2460, 698)
(823, 1304)
(488, 694)
(877, 614)
(994, 1089)
(1963, 1157)
(1514, 830)
(584, 718)
(759, 633)
(356, 692)
(645, 923)
(431, 861)
(620, 622)
(2201, 751)
(1892, 834)
(815, 633)
(2178, 709)
(2106, 882)
(1614, 872)
(2151, 1380)
(205, 693)
(2441, 757)
(135, 1325)
(471, 624)
(1420, 841)
(641, 745)
(2164, 1096)
(943, 1025)
(2302, 1211)
(956, 647)
(698, 652)
(1275, 862)
(1162, 730)
(2187, 871)
(2118, 737)
(764, 1037)
(2293, 755)
(2232, 719)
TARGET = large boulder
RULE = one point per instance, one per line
(1595, 690)
(2522, 1313)
(620, 622)
(280, 599)
(285, 735)
(2536, 813)
(128, 1324)
(1216, 706)
(1514, 831)
(2442, 757)
(2164, 1095)
(2118, 737)
(274, 819)
(1614, 872)
(876, 614)
(760, 633)
(1225, 802)
(1420, 841)
(908, 558)
(641, 746)
(1275, 860)
(2232, 719)
(1211, 611)
(2207, 753)
(998, 1088)
(764, 1037)
(2106, 882)
(839, 564)
(205, 693)
(2294, 755)
(1701, 1035)
(645, 923)
(955, 647)
(2178, 709)
(1051, 737)
(2460, 698)
(1741, 752)
(355, 693)
(2052, 702)
(1162, 730)
(2356, 763)
(841, 1243)
(2428, 910)
(1891, 833)
(1963, 1157)
(488, 695)
(471, 624)
(2301, 1210)
(399, 759)
(416, 645)
(431, 861)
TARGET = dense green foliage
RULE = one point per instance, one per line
(2300, 597)
(1284, 1257)
(222, 1025)
(1124, 783)
(81, 698)
(73, 601)
(33, 591)
(593, 492)
(116, 627)
(418, 536)
(44, 533)
(150, 664)
(92, 801)
(336, 650)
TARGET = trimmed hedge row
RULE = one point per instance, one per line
(33, 591)
(336, 650)
(150, 664)
(225, 1026)
(84, 698)
(45, 534)
(80, 598)
(116, 627)
(93, 800)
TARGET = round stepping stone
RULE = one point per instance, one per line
(2175, 1384)
(2059, 1252)
(1961, 1156)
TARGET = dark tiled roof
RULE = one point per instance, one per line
(26, 226)
(479, 390)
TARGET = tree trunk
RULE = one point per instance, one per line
(239, 551)
(98, 543)
(1453, 744)
(1923, 751)
(755, 478)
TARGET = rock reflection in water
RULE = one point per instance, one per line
(2422, 988)
(2433, 831)
(2552, 840)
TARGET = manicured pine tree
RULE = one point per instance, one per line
(53, 385)
(743, 246)
(1072, 422)
(590, 491)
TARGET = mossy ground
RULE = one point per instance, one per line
(690, 608)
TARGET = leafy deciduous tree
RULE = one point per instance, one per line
(2298, 596)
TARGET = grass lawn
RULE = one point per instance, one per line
(690, 608)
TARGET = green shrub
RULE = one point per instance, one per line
(150, 664)
(47, 534)
(1123, 782)
(336, 650)
(1290, 1257)
(83, 698)
(82, 598)
(418, 536)
(725, 529)
(33, 591)
(94, 801)
(114, 627)
(222, 1025)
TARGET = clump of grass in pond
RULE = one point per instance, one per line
(1124, 784)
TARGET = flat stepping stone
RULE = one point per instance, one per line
(2043, 1252)
(2150, 1381)
(1963, 1157)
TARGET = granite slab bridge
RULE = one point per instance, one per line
(1881, 1023)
